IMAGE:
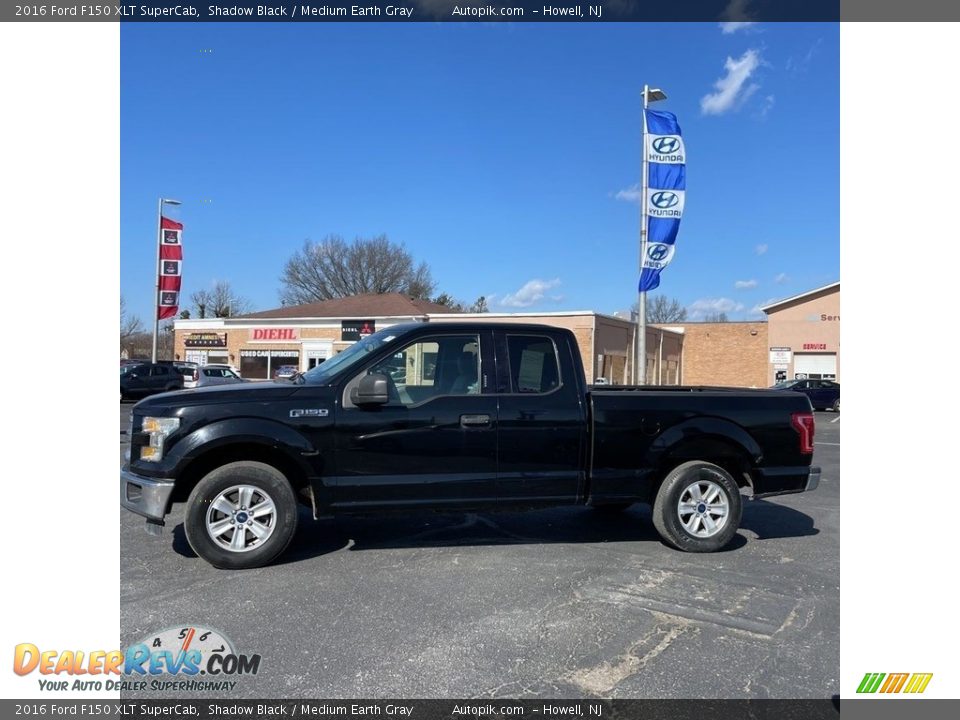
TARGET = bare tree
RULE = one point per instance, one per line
(477, 306)
(201, 302)
(219, 302)
(661, 309)
(334, 268)
(715, 317)
(130, 325)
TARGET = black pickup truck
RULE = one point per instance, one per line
(454, 416)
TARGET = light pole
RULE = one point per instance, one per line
(640, 363)
(156, 283)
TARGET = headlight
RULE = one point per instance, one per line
(158, 429)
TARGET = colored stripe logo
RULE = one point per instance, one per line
(913, 683)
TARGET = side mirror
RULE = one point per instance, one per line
(372, 390)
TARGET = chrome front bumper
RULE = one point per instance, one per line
(145, 496)
(813, 479)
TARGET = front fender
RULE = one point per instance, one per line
(240, 431)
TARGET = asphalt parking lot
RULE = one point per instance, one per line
(555, 603)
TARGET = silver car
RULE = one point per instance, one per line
(217, 375)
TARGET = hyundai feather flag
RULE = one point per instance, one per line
(666, 190)
(171, 260)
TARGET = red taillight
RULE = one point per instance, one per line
(805, 426)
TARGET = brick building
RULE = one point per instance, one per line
(300, 335)
(805, 329)
(304, 335)
(728, 354)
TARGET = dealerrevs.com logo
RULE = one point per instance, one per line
(909, 683)
(182, 658)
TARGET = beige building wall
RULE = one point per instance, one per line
(726, 354)
(810, 324)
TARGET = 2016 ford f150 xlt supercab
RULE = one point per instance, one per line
(453, 416)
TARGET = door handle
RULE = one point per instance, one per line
(474, 421)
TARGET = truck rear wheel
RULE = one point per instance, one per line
(698, 507)
(241, 515)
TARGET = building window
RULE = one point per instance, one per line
(255, 364)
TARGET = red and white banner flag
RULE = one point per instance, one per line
(171, 260)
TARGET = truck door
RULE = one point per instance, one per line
(435, 441)
(542, 419)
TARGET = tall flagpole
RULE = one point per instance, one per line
(640, 364)
(156, 283)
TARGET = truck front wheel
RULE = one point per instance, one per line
(241, 515)
(698, 507)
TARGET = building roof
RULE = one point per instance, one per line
(778, 303)
(370, 305)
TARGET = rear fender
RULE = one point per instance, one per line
(710, 439)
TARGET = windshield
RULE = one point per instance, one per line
(353, 355)
(785, 385)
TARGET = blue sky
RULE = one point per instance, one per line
(501, 154)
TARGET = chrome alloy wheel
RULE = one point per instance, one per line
(703, 508)
(241, 518)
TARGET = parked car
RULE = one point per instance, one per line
(189, 370)
(225, 366)
(524, 430)
(285, 372)
(137, 380)
(823, 394)
(217, 375)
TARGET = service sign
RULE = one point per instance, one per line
(780, 355)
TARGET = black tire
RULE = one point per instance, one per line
(611, 508)
(666, 514)
(836, 405)
(264, 478)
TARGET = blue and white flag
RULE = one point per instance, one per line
(667, 184)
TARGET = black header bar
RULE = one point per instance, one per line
(441, 11)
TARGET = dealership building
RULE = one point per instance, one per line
(804, 335)
(801, 338)
(305, 335)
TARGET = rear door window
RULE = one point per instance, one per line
(533, 364)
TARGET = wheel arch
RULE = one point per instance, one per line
(715, 441)
(210, 459)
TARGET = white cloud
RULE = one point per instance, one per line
(768, 102)
(781, 278)
(728, 28)
(630, 194)
(762, 248)
(745, 284)
(732, 90)
(708, 306)
(531, 293)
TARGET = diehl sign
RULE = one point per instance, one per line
(281, 334)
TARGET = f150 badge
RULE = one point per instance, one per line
(309, 412)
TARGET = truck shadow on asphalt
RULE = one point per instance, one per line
(556, 525)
